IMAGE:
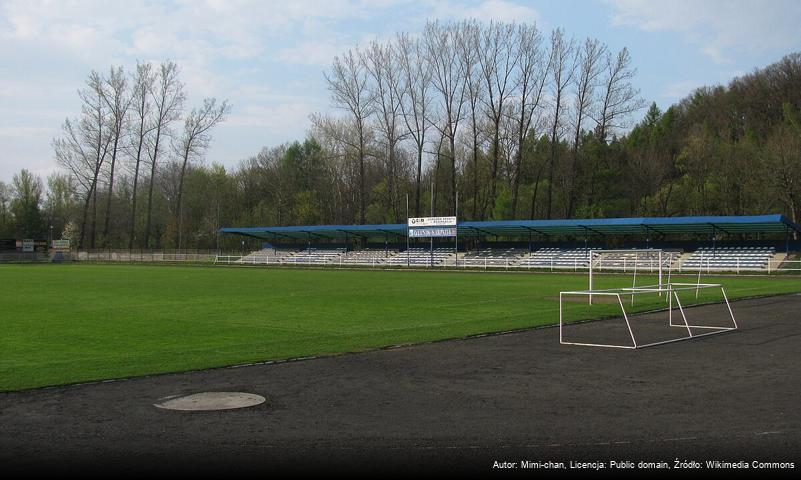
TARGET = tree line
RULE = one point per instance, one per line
(510, 121)
(128, 141)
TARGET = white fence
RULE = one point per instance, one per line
(130, 256)
(772, 267)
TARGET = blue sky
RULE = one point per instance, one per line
(267, 57)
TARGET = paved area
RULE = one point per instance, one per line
(455, 406)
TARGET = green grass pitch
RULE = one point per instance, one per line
(74, 323)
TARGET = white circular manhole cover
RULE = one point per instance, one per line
(206, 401)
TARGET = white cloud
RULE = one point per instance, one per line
(720, 28)
(312, 52)
(498, 10)
(265, 56)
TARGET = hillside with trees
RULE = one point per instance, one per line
(515, 122)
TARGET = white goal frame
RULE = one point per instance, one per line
(671, 290)
(635, 266)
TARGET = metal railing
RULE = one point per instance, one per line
(146, 256)
(23, 257)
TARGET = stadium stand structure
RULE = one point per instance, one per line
(776, 233)
(557, 258)
(315, 256)
(421, 257)
(729, 258)
(637, 258)
(266, 256)
(492, 257)
(372, 257)
(752, 258)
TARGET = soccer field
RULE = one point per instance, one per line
(75, 323)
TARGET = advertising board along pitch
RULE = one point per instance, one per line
(61, 245)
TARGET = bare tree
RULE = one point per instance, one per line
(348, 85)
(448, 80)
(167, 94)
(83, 148)
(469, 46)
(532, 74)
(562, 71)
(381, 63)
(113, 92)
(498, 58)
(619, 98)
(193, 142)
(589, 69)
(415, 101)
(142, 126)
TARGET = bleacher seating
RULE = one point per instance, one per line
(367, 257)
(266, 256)
(642, 260)
(492, 257)
(729, 258)
(557, 258)
(315, 256)
(705, 258)
(420, 257)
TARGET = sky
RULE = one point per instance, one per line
(268, 57)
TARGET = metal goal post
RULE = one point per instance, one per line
(651, 260)
(669, 289)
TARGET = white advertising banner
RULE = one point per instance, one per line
(432, 232)
(62, 245)
(27, 245)
(432, 222)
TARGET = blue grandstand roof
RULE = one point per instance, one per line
(521, 228)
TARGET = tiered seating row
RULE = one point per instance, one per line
(367, 257)
(266, 256)
(492, 257)
(730, 258)
(628, 260)
(315, 256)
(420, 257)
(725, 258)
(557, 258)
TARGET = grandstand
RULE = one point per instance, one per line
(638, 258)
(493, 257)
(266, 256)
(368, 257)
(315, 256)
(723, 243)
(422, 257)
(730, 258)
(558, 258)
